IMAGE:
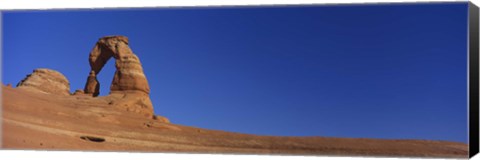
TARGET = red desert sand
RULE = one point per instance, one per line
(42, 114)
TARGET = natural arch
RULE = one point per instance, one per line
(129, 74)
(129, 89)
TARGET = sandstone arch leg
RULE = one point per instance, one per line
(92, 86)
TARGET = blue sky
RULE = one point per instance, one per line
(370, 71)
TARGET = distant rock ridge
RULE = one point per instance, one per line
(129, 89)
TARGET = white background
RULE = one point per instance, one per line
(50, 4)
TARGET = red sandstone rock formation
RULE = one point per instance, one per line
(129, 89)
(46, 81)
(129, 74)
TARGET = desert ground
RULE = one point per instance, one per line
(40, 121)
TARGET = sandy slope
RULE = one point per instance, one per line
(33, 120)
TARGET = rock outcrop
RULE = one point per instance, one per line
(47, 81)
(129, 89)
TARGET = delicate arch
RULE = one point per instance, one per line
(129, 74)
